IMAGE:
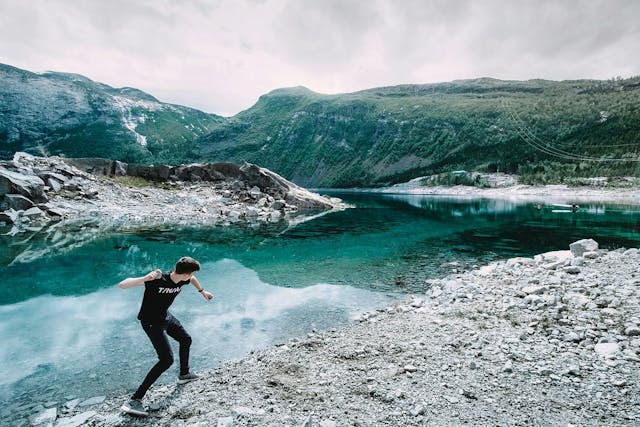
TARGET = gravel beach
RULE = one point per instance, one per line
(550, 340)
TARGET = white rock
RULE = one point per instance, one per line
(92, 401)
(76, 420)
(224, 422)
(520, 261)
(631, 252)
(554, 256)
(327, 423)
(486, 270)
(45, 417)
(572, 337)
(591, 255)
(607, 350)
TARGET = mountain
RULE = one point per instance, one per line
(61, 113)
(541, 129)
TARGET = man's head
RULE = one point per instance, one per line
(187, 265)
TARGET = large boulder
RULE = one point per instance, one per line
(581, 246)
(15, 201)
(28, 185)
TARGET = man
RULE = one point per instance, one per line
(160, 291)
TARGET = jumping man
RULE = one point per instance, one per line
(160, 291)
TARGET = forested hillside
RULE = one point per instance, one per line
(544, 130)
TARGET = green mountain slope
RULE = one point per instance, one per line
(386, 135)
(60, 113)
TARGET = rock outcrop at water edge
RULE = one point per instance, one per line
(36, 189)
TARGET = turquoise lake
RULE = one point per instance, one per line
(67, 330)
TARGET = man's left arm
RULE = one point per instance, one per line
(206, 295)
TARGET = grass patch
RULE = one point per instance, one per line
(139, 182)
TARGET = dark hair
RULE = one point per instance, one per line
(186, 265)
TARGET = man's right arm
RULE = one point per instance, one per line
(130, 282)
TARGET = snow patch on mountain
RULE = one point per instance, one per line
(130, 120)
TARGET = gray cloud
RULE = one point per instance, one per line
(221, 55)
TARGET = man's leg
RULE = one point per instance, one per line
(158, 337)
(178, 333)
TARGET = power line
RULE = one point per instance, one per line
(536, 142)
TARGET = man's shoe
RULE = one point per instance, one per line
(188, 377)
(134, 407)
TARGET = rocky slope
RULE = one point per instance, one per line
(54, 113)
(549, 340)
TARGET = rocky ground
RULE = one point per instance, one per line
(552, 340)
(37, 189)
(62, 204)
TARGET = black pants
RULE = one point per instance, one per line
(157, 333)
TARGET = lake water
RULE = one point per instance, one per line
(67, 330)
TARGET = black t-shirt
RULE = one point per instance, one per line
(158, 296)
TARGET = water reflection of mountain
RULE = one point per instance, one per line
(388, 242)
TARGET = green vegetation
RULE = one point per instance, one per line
(547, 131)
(139, 182)
(472, 179)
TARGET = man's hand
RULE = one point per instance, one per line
(155, 274)
(207, 295)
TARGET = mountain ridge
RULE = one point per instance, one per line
(544, 130)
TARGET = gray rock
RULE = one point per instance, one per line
(17, 202)
(578, 261)
(581, 246)
(9, 216)
(418, 410)
(631, 252)
(573, 370)
(76, 420)
(33, 212)
(71, 404)
(54, 184)
(29, 186)
(328, 423)
(507, 368)
(535, 290)
(92, 401)
(572, 269)
(632, 331)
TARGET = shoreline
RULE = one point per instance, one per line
(517, 193)
(548, 340)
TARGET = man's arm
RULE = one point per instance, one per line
(206, 295)
(130, 282)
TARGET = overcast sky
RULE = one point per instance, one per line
(221, 55)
